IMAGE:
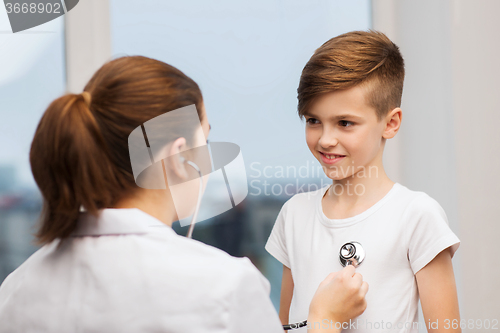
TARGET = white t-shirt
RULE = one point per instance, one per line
(400, 234)
(126, 271)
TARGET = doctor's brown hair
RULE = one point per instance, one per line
(366, 58)
(79, 155)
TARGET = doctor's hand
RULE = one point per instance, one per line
(339, 297)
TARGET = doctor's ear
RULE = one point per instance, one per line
(176, 162)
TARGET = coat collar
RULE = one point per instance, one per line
(118, 221)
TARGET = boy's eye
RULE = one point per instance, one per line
(311, 121)
(342, 123)
(346, 123)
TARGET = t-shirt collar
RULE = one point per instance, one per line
(346, 222)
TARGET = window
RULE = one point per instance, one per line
(33, 74)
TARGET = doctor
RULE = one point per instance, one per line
(119, 266)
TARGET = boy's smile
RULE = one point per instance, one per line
(343, 133)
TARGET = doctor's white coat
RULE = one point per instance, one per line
(126, 271)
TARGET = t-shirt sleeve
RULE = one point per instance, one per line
(429, 232)
(251, 309)
(276, 243)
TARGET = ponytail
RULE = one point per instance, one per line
(70, 164)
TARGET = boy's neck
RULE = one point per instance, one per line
(358, 191)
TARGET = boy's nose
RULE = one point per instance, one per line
(328, 139)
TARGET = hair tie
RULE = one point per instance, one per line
(87, 97)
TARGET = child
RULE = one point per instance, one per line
(350, 95)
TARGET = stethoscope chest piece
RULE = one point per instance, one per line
(351, 253)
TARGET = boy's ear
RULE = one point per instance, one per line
(393, 122)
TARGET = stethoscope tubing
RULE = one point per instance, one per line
(200, 193)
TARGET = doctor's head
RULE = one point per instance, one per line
(80, 153)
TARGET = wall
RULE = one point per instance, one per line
(448, 144)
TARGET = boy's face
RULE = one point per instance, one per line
(341, 123)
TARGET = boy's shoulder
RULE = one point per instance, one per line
(417, 203)
(418, 197)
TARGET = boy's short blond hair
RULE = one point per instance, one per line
(365, 58)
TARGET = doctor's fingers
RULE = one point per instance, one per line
(348, 271)
(331, 276)
(357, 280)
(362, 293)
(364, 288)
(359, 296)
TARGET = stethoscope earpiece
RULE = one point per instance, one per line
(351, 253)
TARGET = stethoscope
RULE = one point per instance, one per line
(351, 253)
